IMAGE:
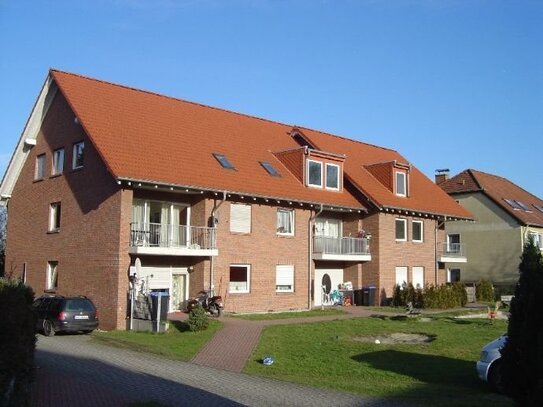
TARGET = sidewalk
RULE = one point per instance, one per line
(232, 346)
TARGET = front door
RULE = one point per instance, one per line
(179, 292)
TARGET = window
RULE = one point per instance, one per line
(54, 217)
(314, 173)
(240, 218)
(285, 222)
(270, 169)
(221, 158)
(417, 277)
(77, 158)
(401, 276)
(401, 184)
(418, 230)
(58, 161)
(239, 278)
(513, 204)
(453, 243)
(401, 230)
(538, 207)
(537, 239)
(332, 176)
(524, 207)
(453, 275)
(52, 275)
(39, 172)
(284, 279)
(328, 227)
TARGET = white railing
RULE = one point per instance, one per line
(452, 249)
(340, 245)
(159, 235)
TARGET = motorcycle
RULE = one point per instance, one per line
(211, 304)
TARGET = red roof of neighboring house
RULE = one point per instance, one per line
(149, 137)
(519, 203)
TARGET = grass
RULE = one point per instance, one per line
(326, 355)
(178, 343)
(294, 314)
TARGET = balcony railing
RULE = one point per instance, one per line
(452, 252)
(346, 246)
(172, 236)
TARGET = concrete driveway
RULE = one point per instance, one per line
(75, 370)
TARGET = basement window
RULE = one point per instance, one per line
(221, 158)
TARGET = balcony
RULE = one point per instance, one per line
(341, 248)
(172, 240)
(451, 253)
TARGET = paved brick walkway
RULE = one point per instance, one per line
(232, 346)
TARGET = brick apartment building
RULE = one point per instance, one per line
(108, 180)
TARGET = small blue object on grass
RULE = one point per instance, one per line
(267, 360)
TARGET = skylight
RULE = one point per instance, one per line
(525, 207)
(538, 207)
(221, 158)
(270, 169)
(513, 204)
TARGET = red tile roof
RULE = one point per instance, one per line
(498, 189)
(149, 137)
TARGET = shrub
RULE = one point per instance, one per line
(484, 291)
(198, 320)
(17, 343)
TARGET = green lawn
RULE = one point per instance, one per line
(326, 354)
(294, 314)
(178, 343)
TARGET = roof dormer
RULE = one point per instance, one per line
(394, 175)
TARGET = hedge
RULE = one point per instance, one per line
(443, 296)
(17, 343)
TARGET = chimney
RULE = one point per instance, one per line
(442, 175)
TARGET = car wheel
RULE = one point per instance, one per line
(495, 377)
(48, 329)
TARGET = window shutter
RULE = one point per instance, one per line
(240, 218)
(284, 277)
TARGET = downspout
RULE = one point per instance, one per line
(438, 225)
(213, 211)
(310, 254)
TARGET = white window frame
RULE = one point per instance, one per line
(240, 218)
(55, 213)
(291, 221)
(449, 243)
(321, 177)
(52, 275)
(284, 278)
(449, 274)
(401, 275)
(58, 161)
(537, 237)
(417, 276)
(337, 178)
(76, 147)
(404, 183)
(404, 221)
(421, 223)
(39, 172)
(237, 290)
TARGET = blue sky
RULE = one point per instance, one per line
(448, 84)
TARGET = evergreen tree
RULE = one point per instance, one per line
(522, 355)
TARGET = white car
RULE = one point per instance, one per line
(488, 367)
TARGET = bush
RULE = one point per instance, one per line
(442, 297)
(17, 343)
(484, 291)
(198, 320)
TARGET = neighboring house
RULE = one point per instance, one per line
(505, 215)
(108, 180)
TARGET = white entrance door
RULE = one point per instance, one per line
(179, 292)
(326, 281)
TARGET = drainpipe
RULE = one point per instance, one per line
(310, 255)
(213, 211)
(438, 225)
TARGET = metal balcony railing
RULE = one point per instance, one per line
(340, 245)
(452, 249)
(174, 236)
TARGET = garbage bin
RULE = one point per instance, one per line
(359, 297)
(372, 295)
(366, 296)
(164, 301)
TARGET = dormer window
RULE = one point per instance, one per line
(314, 173)
(401, 183)
(332, 176)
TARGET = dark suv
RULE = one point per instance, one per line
(56, 313)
